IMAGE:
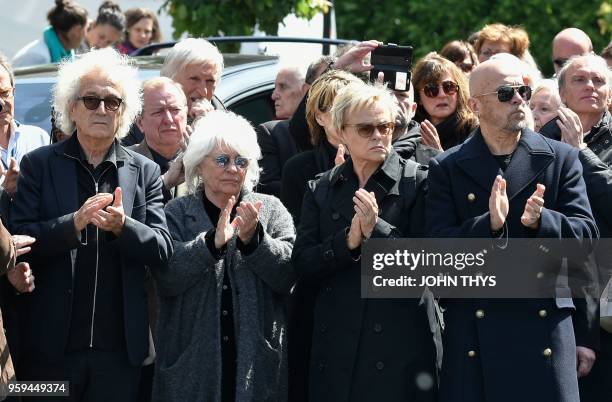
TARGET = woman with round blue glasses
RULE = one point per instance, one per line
(222, 326)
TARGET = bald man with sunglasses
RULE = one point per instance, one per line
(507, 182)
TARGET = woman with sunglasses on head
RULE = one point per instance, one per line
(442, 93)
(221, 328)
(359, 346)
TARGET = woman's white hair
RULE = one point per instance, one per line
(108, 63)
(225, 130)
(359, 95)
(190, 51)
(551, 86)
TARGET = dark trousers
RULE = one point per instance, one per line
(94, 376)
(146, 383)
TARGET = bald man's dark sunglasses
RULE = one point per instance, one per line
(506, 92)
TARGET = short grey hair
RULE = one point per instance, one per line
(357, 96)
(593, 59)
(159, 82)
(220, 128)
(190, 51)
(108, 62)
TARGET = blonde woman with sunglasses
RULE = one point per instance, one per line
(359, 349)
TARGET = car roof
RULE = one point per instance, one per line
(243, 76)
(149, 66)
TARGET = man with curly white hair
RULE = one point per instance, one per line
(95, 209)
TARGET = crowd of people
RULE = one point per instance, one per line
(167, 250)
(71, 32)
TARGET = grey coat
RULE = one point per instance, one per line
(188, 366)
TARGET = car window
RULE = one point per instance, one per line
(33, 104)
(257, 108)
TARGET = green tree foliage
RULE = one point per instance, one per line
(428, 25)
(236, 17)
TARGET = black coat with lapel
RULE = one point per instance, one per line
(359, 348)
(498, 354)
(45, 203)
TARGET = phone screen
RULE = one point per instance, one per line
(395, 63)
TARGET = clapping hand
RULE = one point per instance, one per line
(354, 236)
(21, 276)
(533, 208)
(571, 128)
(9, 176)
(366, 209)
(247, 217)
(113, 218)
(85, 214)
(225, 230)
(175, 174)
(429, 135)
(498, 204)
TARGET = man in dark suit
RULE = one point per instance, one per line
(508, 182)
(281, 139)
(95, 209)
(163, 122)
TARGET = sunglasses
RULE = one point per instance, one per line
(506, 92)
(367, 130)
(111, 103)
(223, 161)
(432, 90)
(560, 62)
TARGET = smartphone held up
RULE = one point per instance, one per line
(394, 62)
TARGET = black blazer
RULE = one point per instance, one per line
(44, 206)
(278, 144)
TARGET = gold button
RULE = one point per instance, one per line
(542, 313)
(547, 352)
(540, 275)
(471, 353)
(471, 197)
(479, 313)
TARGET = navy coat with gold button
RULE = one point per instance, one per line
(365, 349)
(521, 349)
